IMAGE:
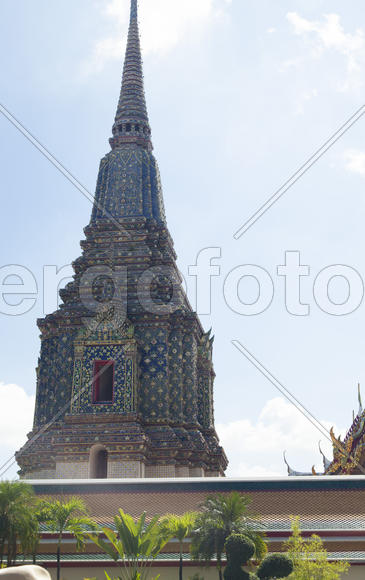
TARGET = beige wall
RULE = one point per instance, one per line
(170, 573)
(72, 470)
(356, 573)
(118, 470)
(125, 469)
(165, 573)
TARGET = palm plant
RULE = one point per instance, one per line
(179, 527)
(18, 521)
(222, 515)
(134, 545)
(66, 516)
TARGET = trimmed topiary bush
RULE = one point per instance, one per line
(232, 572)
(239, 550)
(275, 566)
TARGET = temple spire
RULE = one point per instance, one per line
(131, 123)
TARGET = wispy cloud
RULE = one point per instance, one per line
(256, 448)
(163, 23)
(355, 161)
(329, 35)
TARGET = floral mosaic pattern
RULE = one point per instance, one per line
(154, 393)
(54, 382)
(190, 378)
(176, 376)
(129, 186)
(124, 400)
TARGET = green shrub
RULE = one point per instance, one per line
(232, 572)
(275, 566)
(239, 550)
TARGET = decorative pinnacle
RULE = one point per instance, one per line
(134, 9)
(131, 121)
(360, 401)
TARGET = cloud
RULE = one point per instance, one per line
(256, 448)
(304, 99)
(163, 25)
(16, 417)
(355, 161)
(329, 35)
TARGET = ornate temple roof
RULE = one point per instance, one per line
(348, 455)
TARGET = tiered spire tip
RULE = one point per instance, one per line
(131, 121)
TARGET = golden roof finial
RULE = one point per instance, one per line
(335, 440)
(359, 397)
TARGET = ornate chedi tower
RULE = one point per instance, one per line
(125, 375)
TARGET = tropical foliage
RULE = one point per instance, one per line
(220, 516)
(179, 527)
(19, 526)
(309, 558)
(66, 516)
(134, 545)
(224, 525)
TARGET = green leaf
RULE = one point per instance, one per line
(108, 548)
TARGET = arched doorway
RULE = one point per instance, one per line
(98, 463)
